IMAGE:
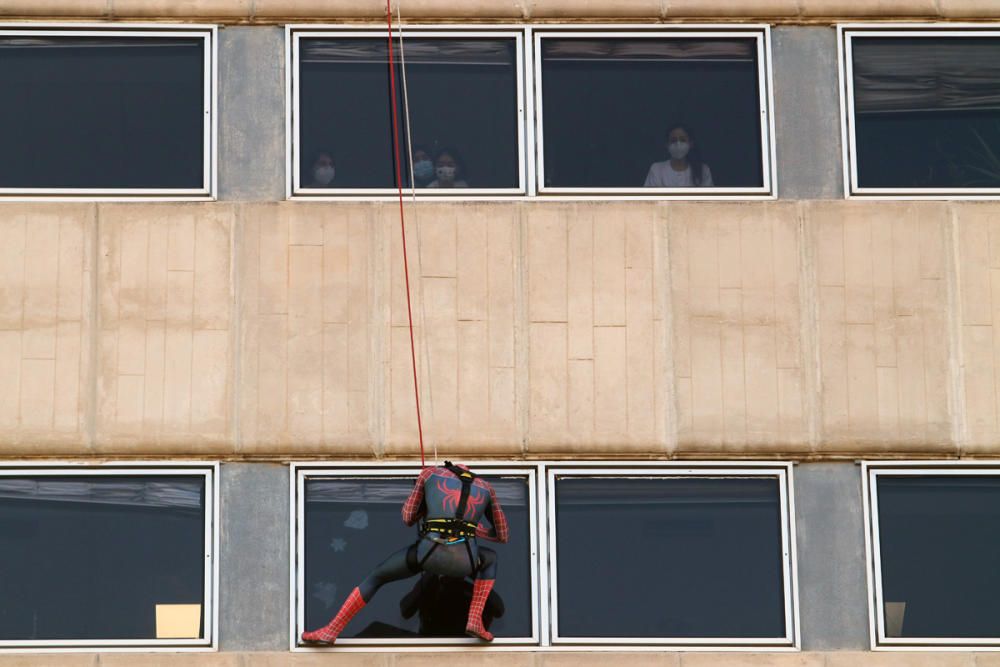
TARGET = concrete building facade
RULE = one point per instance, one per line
(258, 330)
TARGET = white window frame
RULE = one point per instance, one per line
(781, 472)
(846, 32)
(294, 33)
(760, 33)
(300, 472)
(209, 36)
(543, 555)
(871, 470)
(210, 609)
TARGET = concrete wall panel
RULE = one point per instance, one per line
(514, 659)
(216, 9)
(818, 328)
(596, 371)
(830, 533)
(737, 314)
(254, 559)
(165, 357)
(978, 315)
(884, 339)
(807, 112)
(267, 11)
(464, 262)
(252, 113)
(47, 296)
(306, 357)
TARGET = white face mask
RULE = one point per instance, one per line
(324, 175)
(679, 149)
(445, 173)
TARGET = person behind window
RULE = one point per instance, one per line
(423, 167)
(684, 169)
(449, 501)
(449, 169)
(323, 172)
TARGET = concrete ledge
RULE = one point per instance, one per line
(274, 11)
(511, 659)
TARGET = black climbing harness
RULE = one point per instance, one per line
(453, 530)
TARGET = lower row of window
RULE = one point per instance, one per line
(602, 553)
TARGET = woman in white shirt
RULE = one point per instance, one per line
(684, 169)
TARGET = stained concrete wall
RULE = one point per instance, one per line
(830, 533)
(515, 659)
(240, 11)
(807, 112)
(252, 328)
(255, 559)
(251, 113)
(812, 329)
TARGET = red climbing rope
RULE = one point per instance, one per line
(402, 227)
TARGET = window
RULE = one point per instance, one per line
(664, 113)
(671, 555)
(933, 549)
(106, 112)
(923, 111)
(619, 555)
(347, 521)
(107, 556)
(464, 92)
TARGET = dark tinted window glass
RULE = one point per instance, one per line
(91, 558)
(940, 547)
(352, 525)
(95, 112)
(680, 558)
(463, 101)
(609, 105)
(927, 112)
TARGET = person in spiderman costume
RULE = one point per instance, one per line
(450, 501)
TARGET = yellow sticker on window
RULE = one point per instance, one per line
(178, 621)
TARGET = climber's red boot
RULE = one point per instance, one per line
(474, 627)
(329, 633)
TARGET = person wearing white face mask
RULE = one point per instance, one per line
(684, 169)
(323, 171)
(449, 170)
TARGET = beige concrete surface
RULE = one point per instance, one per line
(225, 9)
(47, 293)
(511, 659)
(805, 329)
(307, 294)
(270, 11)
(882, 297)
(165, 348)
(740, 367)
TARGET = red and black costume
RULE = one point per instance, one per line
(451, 501)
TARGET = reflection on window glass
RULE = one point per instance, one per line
(353, 524)
(651, 112)
(670, 558)
(100, 112)
(927, 112)
(100, 557)
(463, 112)
(940, 546)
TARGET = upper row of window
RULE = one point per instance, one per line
(658, 111)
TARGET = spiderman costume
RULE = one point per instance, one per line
(450, 501)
